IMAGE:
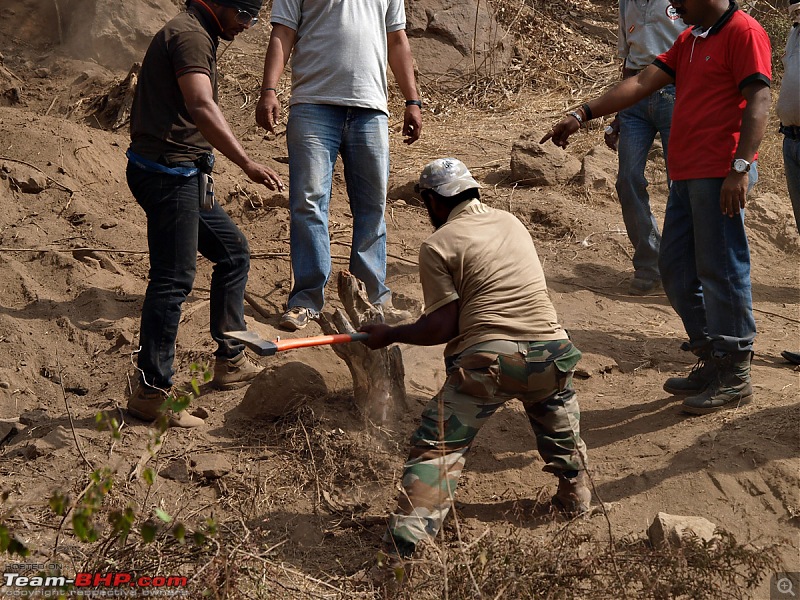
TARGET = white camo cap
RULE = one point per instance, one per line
(446, 177)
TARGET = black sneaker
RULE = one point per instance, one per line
(295, 318)
(644, 287)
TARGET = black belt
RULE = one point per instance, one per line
(790, 131)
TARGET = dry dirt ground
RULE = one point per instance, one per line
(303, 498)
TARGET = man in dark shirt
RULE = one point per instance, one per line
(175, 125)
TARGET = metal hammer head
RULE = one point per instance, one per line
(254, 342)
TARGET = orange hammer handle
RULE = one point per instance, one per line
(319, 340)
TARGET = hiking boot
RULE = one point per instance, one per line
(702, 374)
(792, 357)
(233, 373)
(573, 497)
(295, 318)
(146, 404)
(392, 315)
(644, 287)
(730, 389)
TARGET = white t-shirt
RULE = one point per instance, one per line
(340, 54)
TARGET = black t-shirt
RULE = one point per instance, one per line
(161, 127)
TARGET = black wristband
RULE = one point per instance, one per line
(587, 111)
(268, 89)
(414, 103)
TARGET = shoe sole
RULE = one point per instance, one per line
(679, 392)
(141, 416)
(698, 410)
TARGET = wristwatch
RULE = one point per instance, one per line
(740, 165)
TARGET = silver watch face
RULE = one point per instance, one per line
(740, 165)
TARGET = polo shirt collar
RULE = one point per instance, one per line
(698, 31)
(462, 207)
(206, 20)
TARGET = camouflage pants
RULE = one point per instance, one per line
(480, 380)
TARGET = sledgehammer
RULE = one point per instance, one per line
(264, 347)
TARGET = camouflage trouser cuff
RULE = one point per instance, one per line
(410, 529)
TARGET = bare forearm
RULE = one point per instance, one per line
(215, 129)
(629, 91)
(402, 64)
(754, 125)
(280, 47)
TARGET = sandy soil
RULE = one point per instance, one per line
(74, 274)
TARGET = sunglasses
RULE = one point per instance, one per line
(245, 18)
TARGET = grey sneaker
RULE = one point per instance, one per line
(234, 372)
(644, 287)
(392, 315)
(146, 404)
(295, 318)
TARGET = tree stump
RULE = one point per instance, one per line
(378, 375)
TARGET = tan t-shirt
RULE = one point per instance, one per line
(485, 259)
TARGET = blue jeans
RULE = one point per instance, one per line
(176, 231)
(638, 127)
(315, 134)
(791, 164)
(705, 266)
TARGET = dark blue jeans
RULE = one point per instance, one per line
(705, 266)
(176, 231)
(638, 127)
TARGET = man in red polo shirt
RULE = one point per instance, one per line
(721, 69)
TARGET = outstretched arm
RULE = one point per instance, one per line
(438, 327)
(626, 93)
(206, 114)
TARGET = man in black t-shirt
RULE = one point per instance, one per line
(175, 125)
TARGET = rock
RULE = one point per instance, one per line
(598, 172)
(177, 470)
(5, 385)
(24, 178)
(34, 417)
(671, 530)
(538, 164)
(211, 466)
(7, 430)
(274, 392)
(56, 439)
(594, 364)
(442, 34)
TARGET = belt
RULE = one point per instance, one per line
(790, 131)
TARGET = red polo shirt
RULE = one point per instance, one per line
(710, 70)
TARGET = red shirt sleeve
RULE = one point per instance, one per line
(751, 56)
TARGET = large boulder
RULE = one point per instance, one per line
(671, 530)
(598, 172)
(444, 34)
(279, 390)
(538, 164)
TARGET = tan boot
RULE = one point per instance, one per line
(146, 404)
(234, 372)
(573, 497)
